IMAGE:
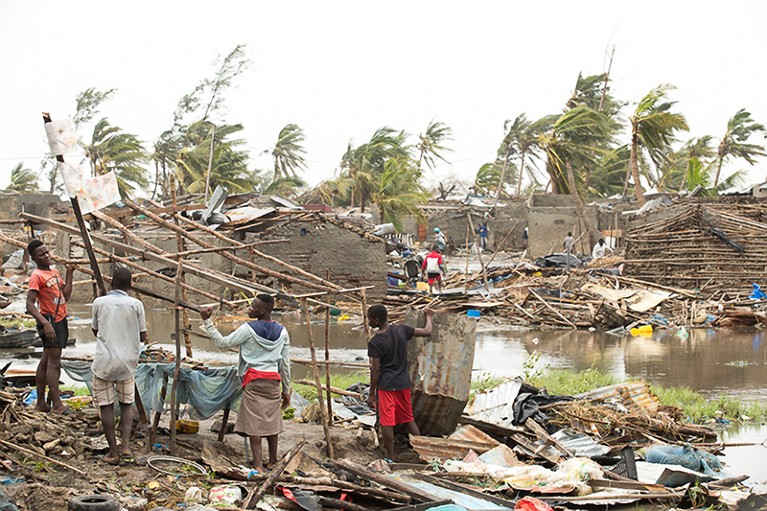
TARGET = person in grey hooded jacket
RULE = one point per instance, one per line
(264, 365)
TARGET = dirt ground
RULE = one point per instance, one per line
(49, 487)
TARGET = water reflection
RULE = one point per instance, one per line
(713, 362)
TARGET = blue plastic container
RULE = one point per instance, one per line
(473, 313)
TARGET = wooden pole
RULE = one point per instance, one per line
(210, 164)
(158, 413)
(238, 260)
(327, 358)
(181, 280)
(177, 368)
(317, 382)
(257, 492)
(364, 298)
(498, 248)
(466, 273)
(238, 244)
(83, 232)
(479, 251)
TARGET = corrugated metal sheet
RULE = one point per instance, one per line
(635, 396)
(496, 406)
(580, 444)
(246, 214)
(470, 502)
(446, 448)
(472, 434)
(440, 370)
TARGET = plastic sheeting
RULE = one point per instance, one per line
(204, 392)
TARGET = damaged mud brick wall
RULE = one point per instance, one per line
(551, 217)
(712, 244)
(354, 260)
(440, 371)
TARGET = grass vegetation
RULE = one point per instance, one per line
(695, 406)
(340, 380)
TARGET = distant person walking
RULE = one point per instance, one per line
(119, 324)
(600, 249)
(525, 236)
(439, 239)
(389, 378)
(567, 244)
(434, 266)
(47, 303)
(264, 365)
(482, 229)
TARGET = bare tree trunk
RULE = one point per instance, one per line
(635, 169)
(718, 170)
(579, 208)
(503, 173)
(521, 171)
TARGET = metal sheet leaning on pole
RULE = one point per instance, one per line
(440, 370)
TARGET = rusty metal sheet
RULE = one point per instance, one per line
(496, 406)
(472, 434)
(634, 395)
(446, 448)
(440, 371)
(246, 214)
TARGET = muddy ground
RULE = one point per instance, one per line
(49, 487)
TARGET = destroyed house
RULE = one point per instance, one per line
(714, 245)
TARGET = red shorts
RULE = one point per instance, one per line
(394, 407)
(433, 278)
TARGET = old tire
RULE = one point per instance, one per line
(93, 503)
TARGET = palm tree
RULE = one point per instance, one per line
(23, 180)
(398, 191)
(653, 129)
(288, 152)
(574, 139)
(735, 141)
(522, 138)
(363, 166)
(284, 186)
(229, 167)
(110, 149)
(488, 179)
(431, 144)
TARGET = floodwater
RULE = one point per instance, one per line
(724, 362)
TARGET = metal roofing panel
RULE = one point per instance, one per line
(495, 406)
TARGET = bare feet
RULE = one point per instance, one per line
(112, 459)
(41, 406)
(62, 410)
(126, 453)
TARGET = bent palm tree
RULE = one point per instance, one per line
(23, 180)
(735, 141)
(653, 129)
(110, 149)
(431, 144)
(288, 152)
(574, 139)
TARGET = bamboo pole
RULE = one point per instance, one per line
(181, 280)
(238, 244)
(177, 366)
(479, 251)
(317, 382)
(327, 357)
(238, 260)
(364, 304)
(466, 273)
(152, 273)
(99, 288)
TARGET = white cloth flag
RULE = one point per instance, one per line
(92, 192)
(98, 192)
(62, 136)
(72, 175)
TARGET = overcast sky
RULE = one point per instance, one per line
(340, 70)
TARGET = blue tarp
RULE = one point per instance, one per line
(204, 392)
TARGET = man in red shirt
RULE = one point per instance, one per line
(389, 377)
(51, 294)
(433, 265)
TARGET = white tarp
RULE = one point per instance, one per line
(93, 193)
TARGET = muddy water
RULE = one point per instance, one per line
(731, 362)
